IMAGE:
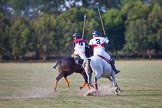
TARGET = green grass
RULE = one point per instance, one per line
(30, 85)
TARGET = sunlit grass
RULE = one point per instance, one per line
(30, 85)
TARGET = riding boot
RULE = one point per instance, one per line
(112, 62)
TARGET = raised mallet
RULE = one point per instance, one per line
(97, 5)
(84, 26)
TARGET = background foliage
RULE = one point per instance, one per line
(41, 29)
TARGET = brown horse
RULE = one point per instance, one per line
(67, 66)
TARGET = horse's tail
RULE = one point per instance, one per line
(89, 72)
(89, 67)
(58, 62)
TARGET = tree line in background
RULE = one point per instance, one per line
(40, 29)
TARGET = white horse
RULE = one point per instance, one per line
(102, 69)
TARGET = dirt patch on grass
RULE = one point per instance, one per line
(103, 91)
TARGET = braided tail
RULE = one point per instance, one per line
(57, 64)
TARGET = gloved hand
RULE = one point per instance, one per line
(106, 36)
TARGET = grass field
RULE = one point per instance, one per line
(30, 85)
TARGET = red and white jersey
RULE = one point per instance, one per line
(79, 47)
(79, 44)
(98, 42)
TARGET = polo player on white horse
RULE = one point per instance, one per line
(98, 45)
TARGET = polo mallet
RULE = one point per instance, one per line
(97, 5)
(84, 26)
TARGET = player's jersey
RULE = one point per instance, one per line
(80, 41)
(79, 44)
(79, 48)
(98, 42)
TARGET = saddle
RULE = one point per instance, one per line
(77, 60)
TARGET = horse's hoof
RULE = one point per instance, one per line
(55, 90)
(117, 94)
(91, 92)
(91, 85)
(96, 93)
(81, 88)
(120, 91)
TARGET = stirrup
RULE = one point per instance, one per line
(117, 71)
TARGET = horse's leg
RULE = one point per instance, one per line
(55, 85)
(110, 78)
(67, 82)
(115, 83)
(84, 84)
(57, 80)
(95, 84)
(88, 72)
(118, 88)
(99, 73)
(85, 81)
